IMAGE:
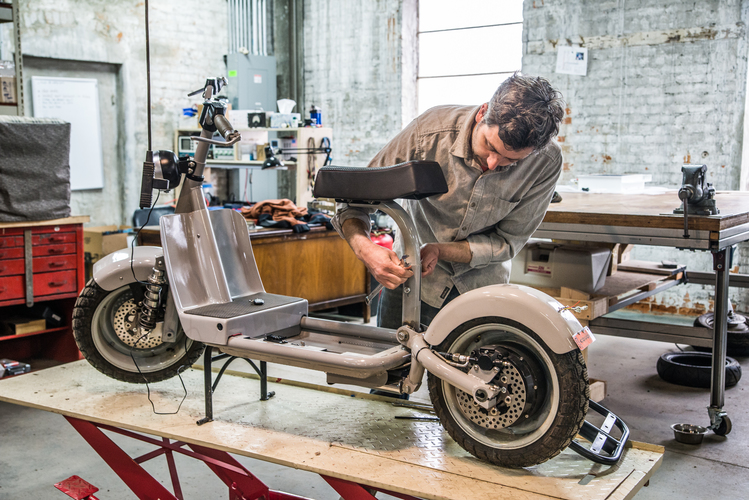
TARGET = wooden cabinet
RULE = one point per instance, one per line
(41, 266)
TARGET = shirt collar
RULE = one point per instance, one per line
(462, 145)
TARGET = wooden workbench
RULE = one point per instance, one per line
(644, 219)
(352, 438)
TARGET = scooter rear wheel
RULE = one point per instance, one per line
(100, 321)
(539, 421)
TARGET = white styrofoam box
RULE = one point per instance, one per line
(605, 183)
(544, 264)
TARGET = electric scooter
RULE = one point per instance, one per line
(506, 374)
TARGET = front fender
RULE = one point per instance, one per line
(113, 270)
(540, 312)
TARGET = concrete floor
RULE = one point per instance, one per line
(41, 448)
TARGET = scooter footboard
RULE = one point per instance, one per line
(543, 314)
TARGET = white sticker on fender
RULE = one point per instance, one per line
(584, 338)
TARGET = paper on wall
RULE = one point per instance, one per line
(572, 60)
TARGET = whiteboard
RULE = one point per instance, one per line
(75, 100)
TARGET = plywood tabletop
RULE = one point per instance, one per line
(645, 210)
(352, 438)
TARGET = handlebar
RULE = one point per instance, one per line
(224, 128)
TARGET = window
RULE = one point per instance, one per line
(466, 49)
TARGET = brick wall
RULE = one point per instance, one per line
(186, 48)
(665, 86)
(353, 55)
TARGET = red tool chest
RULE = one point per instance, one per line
(41, 265)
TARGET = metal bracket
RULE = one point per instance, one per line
(604, 449)
(28, 258)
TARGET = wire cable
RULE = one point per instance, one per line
(148, 77)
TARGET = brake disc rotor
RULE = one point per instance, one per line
(502, 415)
(125, 319)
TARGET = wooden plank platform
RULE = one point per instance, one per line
(352, 438)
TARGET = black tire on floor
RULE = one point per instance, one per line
(96, 337)
(693, 369)
(738, 336)
(547, 429)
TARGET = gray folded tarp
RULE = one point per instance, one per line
(34, 169)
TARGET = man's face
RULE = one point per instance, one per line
(489, 150)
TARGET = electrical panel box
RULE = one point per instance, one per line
(252, 81)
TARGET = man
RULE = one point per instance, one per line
(501, 167)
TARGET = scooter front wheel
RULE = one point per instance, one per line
(544, 405)
(102, 326)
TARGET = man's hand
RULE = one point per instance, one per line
(430, 254)
(384, 265)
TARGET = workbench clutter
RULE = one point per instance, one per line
(284, 214)
(34, 169)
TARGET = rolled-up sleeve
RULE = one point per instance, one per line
(505, 239)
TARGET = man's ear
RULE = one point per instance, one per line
(482, 112)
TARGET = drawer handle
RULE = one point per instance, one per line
(57, 284)
(55, 239)
(53, 265)
(56, 250)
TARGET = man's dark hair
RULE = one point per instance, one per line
(527, 111)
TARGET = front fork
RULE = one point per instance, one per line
(153, 299)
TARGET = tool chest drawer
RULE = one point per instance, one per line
(54, 263)
(11, 253)
(62, 249)
(11, 241)
(52, 238)
(11, 288)
(54, 283)
(11, 267)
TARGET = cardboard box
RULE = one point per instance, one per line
(103, 240)
(19, 326)
(8, 89)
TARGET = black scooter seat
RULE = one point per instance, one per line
(411, 180)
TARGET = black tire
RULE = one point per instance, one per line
(693, 369)
(548, 428)
(738, 335)
(97, 339)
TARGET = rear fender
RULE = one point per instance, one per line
(540, 312)
(114, 271)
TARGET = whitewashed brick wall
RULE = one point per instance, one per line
(665, 86)
(188, 42)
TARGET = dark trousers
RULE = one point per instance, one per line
(390, 312)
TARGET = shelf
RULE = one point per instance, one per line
(256, 129)
(40, 332)
(242, 164)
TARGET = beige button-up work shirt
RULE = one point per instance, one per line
(495, 211)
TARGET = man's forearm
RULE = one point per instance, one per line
(356, 235)
(458, 251)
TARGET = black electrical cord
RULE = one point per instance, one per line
(132, 243)
(148, 77)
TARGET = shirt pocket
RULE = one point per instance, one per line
(490, 217)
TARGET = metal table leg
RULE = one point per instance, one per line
(719, 421)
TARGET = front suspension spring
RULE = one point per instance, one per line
(152, 298)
